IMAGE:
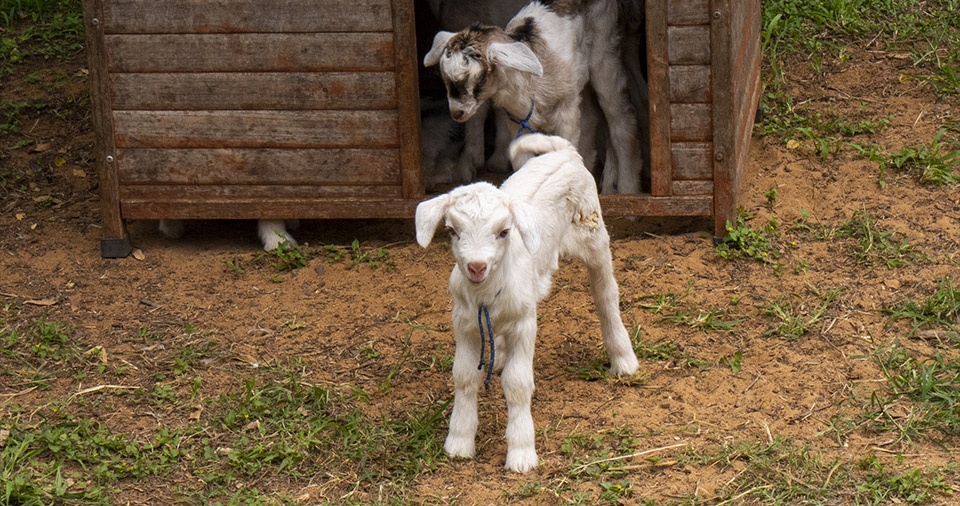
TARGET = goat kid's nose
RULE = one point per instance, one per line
(477, 269)
(456, 114)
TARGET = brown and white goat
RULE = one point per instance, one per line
(534, 72)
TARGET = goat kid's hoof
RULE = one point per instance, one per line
(459, 448)
(521, 461)
(624, 367)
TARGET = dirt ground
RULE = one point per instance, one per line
(349, 325)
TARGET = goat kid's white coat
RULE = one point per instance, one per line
(507, 243)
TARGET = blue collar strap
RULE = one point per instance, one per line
(525, 122)
(482, 311)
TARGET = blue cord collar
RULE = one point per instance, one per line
(525, 122)
(482, 311)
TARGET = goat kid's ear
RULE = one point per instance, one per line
(428, 216)
(439, 43)
(526, 219)
(516, 55)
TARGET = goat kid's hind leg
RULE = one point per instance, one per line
(517, 382)
(466, 382)
(606, 297)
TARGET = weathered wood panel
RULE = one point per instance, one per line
(693, 188)
(691, 122)
(692, 160)
(246, 90)
(690, 83)
(688, 12)
(254, 166)
(234, 16)
(115, 241)
(688, 45)
(255, 52)
(658, 79)
(645, 205)
(408, 91)
(735, 39)
(255, 129)
(274, 208)
(195, 194)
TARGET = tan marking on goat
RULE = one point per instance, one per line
(567, 8)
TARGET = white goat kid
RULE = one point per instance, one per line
(271, 232)
(534, 72)
(507, 243)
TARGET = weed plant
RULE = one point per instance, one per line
(743, 241)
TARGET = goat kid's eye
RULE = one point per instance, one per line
(503, 233)
(453, 233)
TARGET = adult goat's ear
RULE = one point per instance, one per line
(526, 219)
(428, 216)
(439, 43)
(516, 55)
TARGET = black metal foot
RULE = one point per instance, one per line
(119, 247)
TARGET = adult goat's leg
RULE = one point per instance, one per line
(610, 83)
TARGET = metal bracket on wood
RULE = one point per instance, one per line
(118, 247)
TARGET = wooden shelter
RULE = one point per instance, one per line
(244, 109)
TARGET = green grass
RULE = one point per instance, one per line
(922, 398)
(782, 471)
(940, 310)
(272, 425)
(822, 33)
(39, 29)
(869, 243)
(791, 321)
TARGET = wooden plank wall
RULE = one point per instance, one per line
(737, 77)
(236, 104)
(681, 95)
(691, 97)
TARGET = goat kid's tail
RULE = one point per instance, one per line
(533, 145)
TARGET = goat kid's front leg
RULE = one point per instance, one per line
(471, 158)
(517, 382)
(506, 130)
(466, 382)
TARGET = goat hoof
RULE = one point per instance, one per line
(521, 461)
(627, 366)
(462, 448)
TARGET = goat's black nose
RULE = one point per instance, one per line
(456, 114)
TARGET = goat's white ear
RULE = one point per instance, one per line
(526, 219)
(439, 43)
(428, 216)
(516, 55)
